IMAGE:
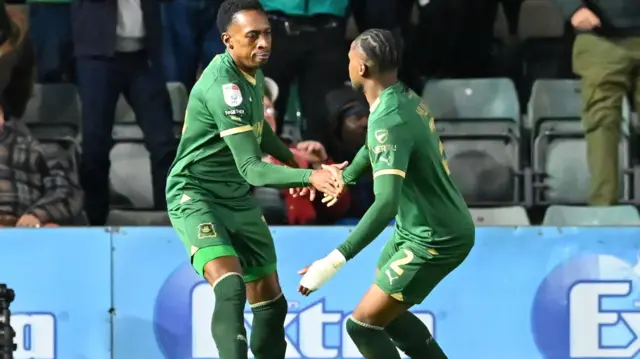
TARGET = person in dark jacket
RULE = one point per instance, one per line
(348, 116)
(118, 45)
(606, 55)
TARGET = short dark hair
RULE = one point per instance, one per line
(230, 8)
(382, 48)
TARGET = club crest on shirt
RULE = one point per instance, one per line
(231, 94)
(382, 135)
(206, 230)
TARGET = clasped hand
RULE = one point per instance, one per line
(327, 180)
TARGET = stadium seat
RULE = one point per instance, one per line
(491, 105)
(53, 111)
(500, 216)
(556, 104)
(478, 121)
(544, 52)
(625, 215)
(138, 218)
(133, 184)
(178, 97)
(559, 159)
(133, 132)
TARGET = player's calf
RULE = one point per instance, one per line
(269, 308)
(410, 335)
(227, 324)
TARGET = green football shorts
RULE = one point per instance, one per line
(408, 271)
(211, 231)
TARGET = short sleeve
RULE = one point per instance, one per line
(390, 147)
(229, 107)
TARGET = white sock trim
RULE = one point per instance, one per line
(267, 302)
(225, 276)
(365, 324)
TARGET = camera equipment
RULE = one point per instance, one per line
(7, 334)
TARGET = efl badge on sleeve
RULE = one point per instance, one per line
(231, 94)
(206, 230)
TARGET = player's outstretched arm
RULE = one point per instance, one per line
(247, 155)
(272, 145)
(387, 190)
(393, 146)
(358, 165)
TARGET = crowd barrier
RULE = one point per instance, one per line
(129, 293)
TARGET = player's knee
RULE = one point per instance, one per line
(356, 328)
(267, 336)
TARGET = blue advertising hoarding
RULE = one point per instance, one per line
(62, 280)
(525, 293)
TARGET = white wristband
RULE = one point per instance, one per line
(336, 258)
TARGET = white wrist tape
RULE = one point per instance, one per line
(322, 270)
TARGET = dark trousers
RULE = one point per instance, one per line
(101, 80)
(50, 27)
(318, 61)
(191, 38)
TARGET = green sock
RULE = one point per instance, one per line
(267, 329)
(411, 336)
(372, 342)
(227, 325)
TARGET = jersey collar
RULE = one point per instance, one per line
(375, 104)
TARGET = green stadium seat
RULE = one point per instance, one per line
(562, 173)
(177, 95)
(134, 185)
(53, 111)
(500, 216)
(478, 122)
(485, 105)
(179, 99)
(137, 218)
(556, 104)
(625, 215)
(559, 158)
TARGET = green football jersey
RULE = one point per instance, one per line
(224, 101)
(402, 140)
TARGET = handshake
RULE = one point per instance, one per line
(327, 180)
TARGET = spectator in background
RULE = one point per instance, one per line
(309, 47)
(348, 114)
(606, 55)
(279, 205)
(191, 38)
(36, 188)
(118, 45)
(17, 62)
(50, 27)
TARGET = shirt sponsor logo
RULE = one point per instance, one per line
(384, 148)
(235, 111)
(231, 94)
